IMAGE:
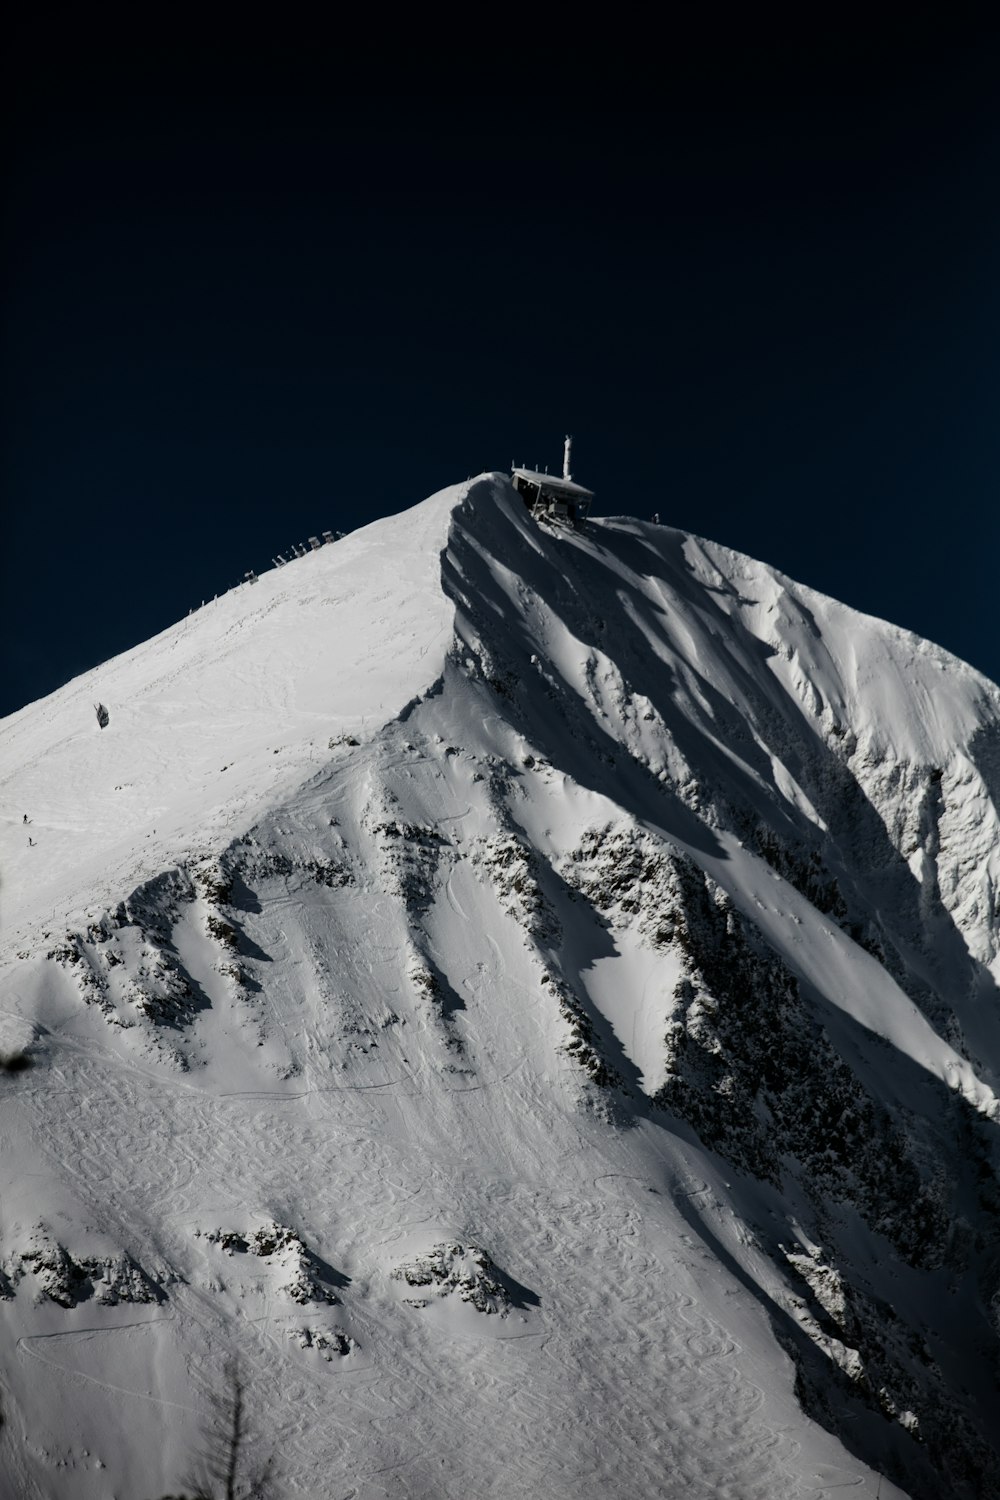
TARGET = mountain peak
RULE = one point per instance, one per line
(548, 974)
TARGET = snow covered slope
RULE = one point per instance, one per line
(531, 999)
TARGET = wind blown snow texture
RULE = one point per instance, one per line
(532, 998)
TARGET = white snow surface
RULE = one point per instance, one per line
(288, 949)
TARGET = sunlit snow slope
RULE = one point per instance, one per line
(530, 999)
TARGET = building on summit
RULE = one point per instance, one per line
(550, 498)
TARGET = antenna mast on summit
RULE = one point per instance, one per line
(567, 447)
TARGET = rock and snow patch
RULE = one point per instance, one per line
(326, 1342)
(298, 1271)
(126, 961)
(409, 856)
(580, 1042)
(631, 877)
(454, 1270)
(889, 1364)
(507, 862)
(56, 1275)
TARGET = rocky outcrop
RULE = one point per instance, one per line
(512, 868)
(452, 1269)
(300, 1273)
(56, 1275)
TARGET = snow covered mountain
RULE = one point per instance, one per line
(528, 996)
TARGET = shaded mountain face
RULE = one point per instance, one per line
(531, 998)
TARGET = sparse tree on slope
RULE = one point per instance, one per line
(222, 1471)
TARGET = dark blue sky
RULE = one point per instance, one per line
(250, 294)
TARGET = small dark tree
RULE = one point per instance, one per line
(222, 1470)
